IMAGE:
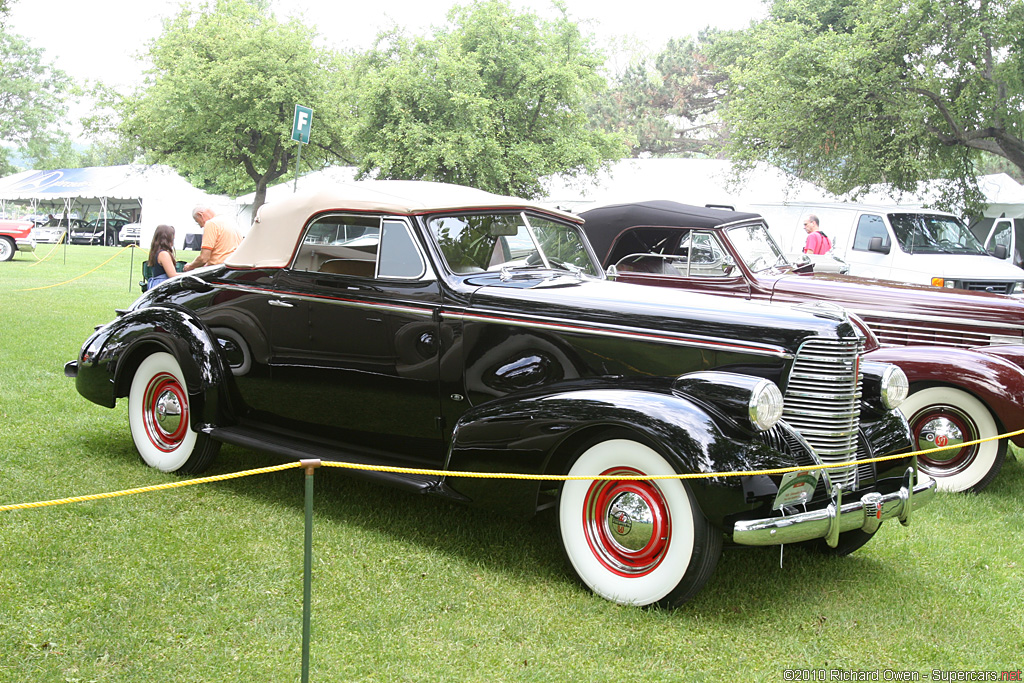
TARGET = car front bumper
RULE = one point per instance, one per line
(866, 514)
(25, 245)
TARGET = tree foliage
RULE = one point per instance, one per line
(218, 102)
(850, 93)
(666, 105)
(494, 99)
(32, 96)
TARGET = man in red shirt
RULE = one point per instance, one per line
(817, 241)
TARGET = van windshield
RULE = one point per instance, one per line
(929, 233)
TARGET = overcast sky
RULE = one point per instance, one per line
(99, 39)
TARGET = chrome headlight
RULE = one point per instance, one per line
(765, 407)
(894, 387)
(755, 400)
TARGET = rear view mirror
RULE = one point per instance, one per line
(1000, 251)
(876, 244)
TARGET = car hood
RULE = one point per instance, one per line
(654, 312)
(865, 295)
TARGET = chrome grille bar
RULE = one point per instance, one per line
(822, 402)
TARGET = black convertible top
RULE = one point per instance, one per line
(604, 224)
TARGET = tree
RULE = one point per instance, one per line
(666, 106)
(32, 95)
(851, 93)
(218, 103)
(495, 100)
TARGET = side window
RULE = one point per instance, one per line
(340, 244)
(1003, 235)
(869, 226)
(359, 246)
(399, 256)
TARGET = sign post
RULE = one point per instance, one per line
(301, 125)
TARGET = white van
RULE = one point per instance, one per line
(1002, 237)
(920, 246)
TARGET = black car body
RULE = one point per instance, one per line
(423, 325)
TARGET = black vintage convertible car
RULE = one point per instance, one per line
(437, 327)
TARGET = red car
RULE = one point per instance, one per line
(962, 351)
(15, 236)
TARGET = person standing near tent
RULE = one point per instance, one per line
(219, 238)
(817, 241)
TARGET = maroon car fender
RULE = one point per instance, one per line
(995, 381)
(1014, 353)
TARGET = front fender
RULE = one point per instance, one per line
(994, 380)
(109, 358)
(541, 434)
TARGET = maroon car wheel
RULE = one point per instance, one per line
(940, 419)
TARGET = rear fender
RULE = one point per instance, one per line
(542, 434)
(990, 377)
(117, 350)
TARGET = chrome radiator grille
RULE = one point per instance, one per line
(822, 402)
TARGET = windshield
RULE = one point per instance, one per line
(933, 234)
(756, 247)
(473, 243)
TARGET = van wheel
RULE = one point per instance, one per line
(944, 416)
(635, 542)
(159, 414)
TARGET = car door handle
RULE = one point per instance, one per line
(281, 304)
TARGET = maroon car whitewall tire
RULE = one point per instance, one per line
(159, 413)
(634, 542)
(943, 415)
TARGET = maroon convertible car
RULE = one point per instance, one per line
(962, 351)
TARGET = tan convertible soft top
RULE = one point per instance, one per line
(276, 230)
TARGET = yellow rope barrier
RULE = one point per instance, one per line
(491, 475)
(154, 487)
(49, 253)
(77, 277)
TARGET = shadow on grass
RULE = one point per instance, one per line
(530, 548)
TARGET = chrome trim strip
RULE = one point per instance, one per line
(342, 301)
(622, 333)
(534, 323)
(865, 514)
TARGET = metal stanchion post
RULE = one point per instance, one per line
(131, 268)
(307, 573)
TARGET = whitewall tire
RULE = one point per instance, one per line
(944, 416)
(635, 542)
(158, 414)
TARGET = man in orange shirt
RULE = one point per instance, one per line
(219, 238)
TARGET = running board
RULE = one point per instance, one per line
(290, 450)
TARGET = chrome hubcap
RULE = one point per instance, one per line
(630, 522)
(168, 412)
(944, 427)
(940, 432)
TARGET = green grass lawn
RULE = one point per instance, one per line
(204, 583)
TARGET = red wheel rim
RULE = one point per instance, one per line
(165, 412)
(627, 524)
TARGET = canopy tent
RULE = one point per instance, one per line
(149, 195)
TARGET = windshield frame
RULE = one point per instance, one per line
(750, 260)
(476, 252)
